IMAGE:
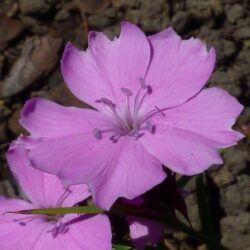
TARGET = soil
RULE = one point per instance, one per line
(33, 34)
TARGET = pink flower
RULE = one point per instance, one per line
(37, 232)
(150, 110)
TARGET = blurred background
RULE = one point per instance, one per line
(33, 34)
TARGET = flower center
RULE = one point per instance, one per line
(130, 121)
(58, 227)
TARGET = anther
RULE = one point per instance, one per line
(143, 83)
(150, 127)
(97, 133)
(149, 89)
(107, 102)
(126, 91)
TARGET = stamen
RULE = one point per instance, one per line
(149, 89)
(143, 83)
(128, 121)
(150, 127)
(126, 91)
(97, 133)
(63, 197)
(107, 102)
(23, 221)
(59, 228)
(160, 111)
(152, 113)
(115, 138)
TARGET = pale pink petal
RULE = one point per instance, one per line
(49, 119)
(88, 233)
(107, 66)
(37, 185)
(111, 170)
(10, 205)
(182, 151)
(76, 157)
(210, 114)
(14, 234)
(178, 70)
(82, 233)
(131, 173)
(33, 232)
(144, 231)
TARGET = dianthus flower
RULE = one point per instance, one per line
(149, 110)
(38, 232)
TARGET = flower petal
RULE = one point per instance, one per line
(107, 66)
(210, 114)
(40, 193)
(15, 235)
(182, 151)
(44, 118)
(178, 70)
(88, 232)
(131, 173)
(144, 231)
(112, 170)
(85, 232)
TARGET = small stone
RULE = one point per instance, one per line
(181, 20)
(235, 12)
(125, 3)
(199, 9)
(133, 15)
(245, 116)
(236, 198)
(149, 10)
(9, 29)
(236, 241)
(62, 95)
(39, 56)
(3, 131)
(99, 21)
(223, 176)
(236, 159)
(13, 124)
(239, 223)
(92, 6)
(62, 15)
(228, 80)
(242, 33)
(6, 189)
(33, 6)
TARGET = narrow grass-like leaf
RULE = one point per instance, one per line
(183, 181)
(63, 210)
(205, 209)
(121, 247)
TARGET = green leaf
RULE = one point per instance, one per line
(121, 247)
(205, 209)
(63, 210)
(183, 181)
